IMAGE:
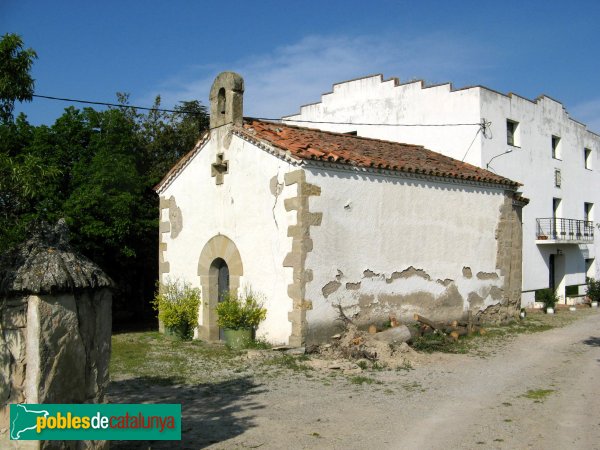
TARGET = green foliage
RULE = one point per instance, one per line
(16, 83)
(593, 289)
(177, 304)
(288, 362)
(24, 177)
(259, 344)
(538, 395)
(435, 342)
(359, 379)
(241, 311)
(548, 296)
(97, 169)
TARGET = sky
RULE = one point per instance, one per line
(291, 52)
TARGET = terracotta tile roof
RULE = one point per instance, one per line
(520, 199)
(313, 144)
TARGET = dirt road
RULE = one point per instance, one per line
(537, 391)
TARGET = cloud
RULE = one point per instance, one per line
(279, 81)
(587, 112)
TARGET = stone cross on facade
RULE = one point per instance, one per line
(219, 168)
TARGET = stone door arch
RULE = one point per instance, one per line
(218, 248)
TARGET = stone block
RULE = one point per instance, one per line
(292, 204)
(307, 189)
(62, 353)
(297, 176)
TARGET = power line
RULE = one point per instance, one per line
(118, 105)
(483, 129)
(379, 124)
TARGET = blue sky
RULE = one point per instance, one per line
(289, 53)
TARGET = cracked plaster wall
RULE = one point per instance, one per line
(405, 246)
(248, 208)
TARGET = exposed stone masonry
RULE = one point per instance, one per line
(301, 245)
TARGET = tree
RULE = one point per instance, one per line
(97, 170)
(22, 175)
(16, 82)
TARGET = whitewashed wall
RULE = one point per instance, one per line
(370, 100)
(532, 164)
(243, 209)
(374, 226)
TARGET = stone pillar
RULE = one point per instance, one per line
(54, 349)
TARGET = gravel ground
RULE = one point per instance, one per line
(530, 391)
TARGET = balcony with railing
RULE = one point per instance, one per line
(556, 230)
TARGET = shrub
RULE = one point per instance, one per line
(548, 296)
(177, 303)
(593, 289)
(243, 311)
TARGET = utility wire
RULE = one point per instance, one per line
(89, 102)
(118, 105)
(379, 124)
(483, 129)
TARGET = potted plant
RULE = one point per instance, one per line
(548, 296)
(177, 303)
(239, 316)
(593, 291)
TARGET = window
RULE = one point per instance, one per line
(556, 210)
(556, 147)
(587, 212)
(572, 290)
(512, 136)
(557, 178)
(587, 158)
(557, 223)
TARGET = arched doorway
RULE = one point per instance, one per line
(220, 273)
(220, 268)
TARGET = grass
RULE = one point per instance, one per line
(435, 342)
(258, 344)
(415, 386)
(406, 365)
(538, 395)
(289, 362)
(359, 379)
(536, 322)
(167, 360)
(155, 356)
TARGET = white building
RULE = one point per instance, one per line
(314, 220)
(534, 142)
